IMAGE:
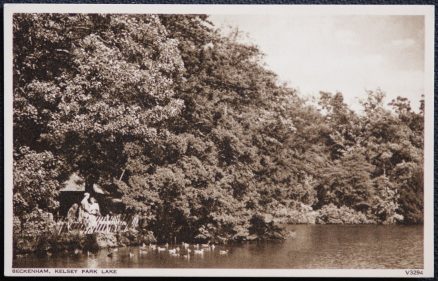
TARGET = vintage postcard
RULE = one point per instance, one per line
(215, 140)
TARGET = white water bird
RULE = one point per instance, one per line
(223, 252)
(172, 251)
(199, 252)
(143, 251)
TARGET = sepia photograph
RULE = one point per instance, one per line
(218, 140)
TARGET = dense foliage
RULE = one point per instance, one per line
(192, 132)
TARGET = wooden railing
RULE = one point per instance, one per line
(101, 224)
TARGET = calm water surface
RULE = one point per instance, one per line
(314, 246)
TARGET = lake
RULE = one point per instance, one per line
(314, 246)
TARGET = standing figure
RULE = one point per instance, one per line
(94, 211)
(85, 208)
(72, 215)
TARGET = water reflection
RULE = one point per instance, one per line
(92, 262)
(314, 246)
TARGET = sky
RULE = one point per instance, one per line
(348, 54)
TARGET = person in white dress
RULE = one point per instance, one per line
(94, 211)
(85, 208)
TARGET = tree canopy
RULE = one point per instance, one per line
(187, 127)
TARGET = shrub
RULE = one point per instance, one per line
(331, 214)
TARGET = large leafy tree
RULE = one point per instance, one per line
(394, 144)
(86, 85)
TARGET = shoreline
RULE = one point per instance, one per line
(290, 234)
(306, 240)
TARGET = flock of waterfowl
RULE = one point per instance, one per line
(184, 250)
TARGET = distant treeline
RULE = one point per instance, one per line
(189, 128)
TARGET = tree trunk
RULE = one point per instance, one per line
(89, 187)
